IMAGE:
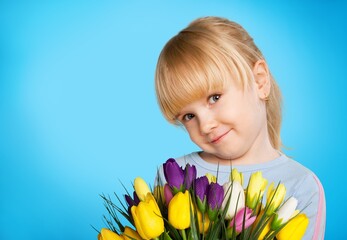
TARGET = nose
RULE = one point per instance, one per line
(207, 123)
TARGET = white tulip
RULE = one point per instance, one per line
(285, 212)
(234, 192)
(287, 209)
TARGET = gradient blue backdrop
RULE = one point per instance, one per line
(78, 111)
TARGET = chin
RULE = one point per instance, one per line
(224, 156)
(228, 155)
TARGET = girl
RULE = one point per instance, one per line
(212, 79)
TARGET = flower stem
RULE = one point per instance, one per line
(183, 233)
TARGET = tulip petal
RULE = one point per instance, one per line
(234, 194)
(238, 219)
(179, 210)
(141, 188)
(295, 228)
(190, 175)
(173, 173)
(167, 194)
(130, 234)
(215, 196)
(201, 186)
(106, 234)
(147, 217)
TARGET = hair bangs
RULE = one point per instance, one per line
(187, 72)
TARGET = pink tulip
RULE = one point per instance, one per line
(167, 194)
(238, 219)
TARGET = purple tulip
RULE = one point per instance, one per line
(190, 175)
(174, 174)
(136, 198)
(238, 219)
(129, 200)
(201, 187)
(132, 201)
(215, 197)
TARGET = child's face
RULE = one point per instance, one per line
(227, 124)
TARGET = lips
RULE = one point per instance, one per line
(220, 137)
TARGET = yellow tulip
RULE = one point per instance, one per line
(179, 210)
(275, 197)
(106, 234)
(141, 188)
(295, 228)
(130, 234)
(203, 223)
(211, 178)
(159, 194)
(255, 190)
(265, 230)
(236, 176)
(147, 218)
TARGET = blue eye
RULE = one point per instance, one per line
(188, 117)
(214, 98)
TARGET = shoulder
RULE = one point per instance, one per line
(304, 185)
(299, 178)
(303, 176)
(300, 181)
(309, 191)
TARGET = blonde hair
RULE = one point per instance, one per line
(204, 57)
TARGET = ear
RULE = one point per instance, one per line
(262, 79)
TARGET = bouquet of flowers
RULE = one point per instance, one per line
(191, 207)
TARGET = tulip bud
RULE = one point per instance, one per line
(106, 234)
(294, 229)
(275, 197)
(236, 176)
(214, 200)
(201, 187)
(141, 188)
(266, 229)
(211, 178)
(174, 175)
(158, 194)
(132, 201)
(244, 213)
(234, 196)
(255, 189)
(190, 175)
(179, 210)
(129, 200)
(167, 194)
(203, 221)
(147, 218)
(284, 213)
(130, 234)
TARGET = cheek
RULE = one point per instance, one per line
(193, 134)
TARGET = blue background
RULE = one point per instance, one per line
(78, 112)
